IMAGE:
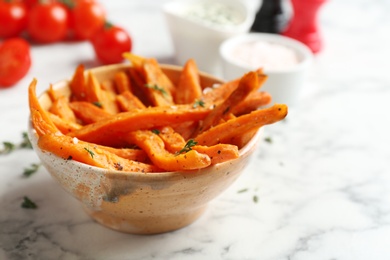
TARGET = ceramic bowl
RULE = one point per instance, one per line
(141, 203)
(284, 83)
(196, 39)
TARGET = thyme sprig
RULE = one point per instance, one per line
(28, 204)
(156, 87)
(188, 146)
(31, 170)
(89, 151)
(198, 103)
(9, 147)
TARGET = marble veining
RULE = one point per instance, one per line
(319, 190)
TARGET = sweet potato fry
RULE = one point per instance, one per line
(78, 85)
(93, 90)
(225, 132)
(72, 149)
(60, 107)
(110, 131)
(108, 85)
(218, 153)
(154, 147)
(63, 125)
(128, 153)
(95, 94)
(87, 112)
(217, 94)
(188, 89)
(252, 102)
(158, 86)
(127, 101)
(39, 117)
(173, 141)
(122, 82)
(247, 84)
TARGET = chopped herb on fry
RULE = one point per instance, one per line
(31, 170)
(155, 131)
(89, 151)
(188, 146)
(198, 103)
(98, 104)
(155, 87)
(28, 204)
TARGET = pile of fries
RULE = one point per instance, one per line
(140, 121)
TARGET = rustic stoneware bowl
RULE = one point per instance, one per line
(141, 203)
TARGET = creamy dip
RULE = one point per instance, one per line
(266, 55)
(213, 14)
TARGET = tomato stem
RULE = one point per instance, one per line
(108, 25)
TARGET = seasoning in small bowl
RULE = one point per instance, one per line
(198, 27)
(284, 60)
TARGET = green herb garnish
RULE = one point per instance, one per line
(28, 204)
(268, 140)
(188, 146)
(89, 151)
(255, 199)
(98, 104)
(10, 147)
(31, 170)
(198, 103)
(242, 190)
(155, 131)
(155, 87)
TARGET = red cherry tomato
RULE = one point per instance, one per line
(15, 61)
(13, 18)
(87, 17)
(48, 22)
(110, 43)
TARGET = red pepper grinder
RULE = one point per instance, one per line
(303, 25)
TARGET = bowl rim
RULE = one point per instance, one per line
(65, 83)
(304, 53)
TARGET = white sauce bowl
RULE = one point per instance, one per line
(283, 83)
(199, 40)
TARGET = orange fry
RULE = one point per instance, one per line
(248, 83)
(110, 131)
(39, 117)
(72, 149)
(226, 132)
(154, 147)
(87, 112)
(77, 84)
(188, 89)
(252, 102)
(122, 82)
(63, 125)
(158, 86)
(218, 153)
(60, 107)
(127, 101)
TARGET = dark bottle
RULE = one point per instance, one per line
(270, 18)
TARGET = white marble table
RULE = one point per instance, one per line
(323, 183)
